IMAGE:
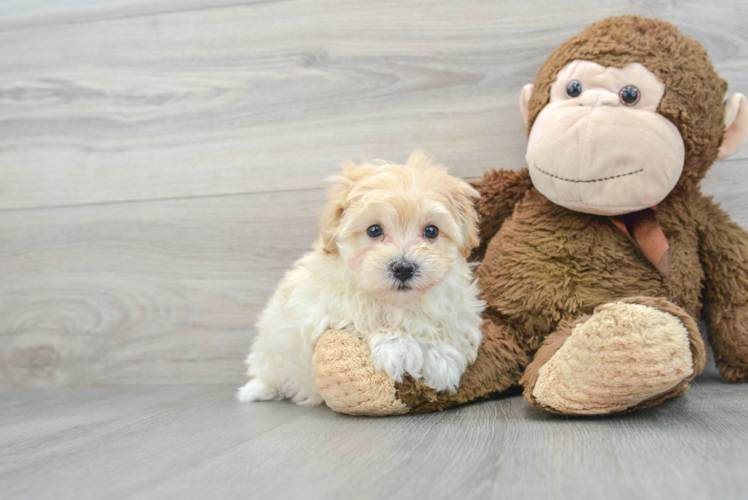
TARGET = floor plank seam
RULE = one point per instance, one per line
(157, 200)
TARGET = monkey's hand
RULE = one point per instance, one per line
(347, 379)
(723, 249)
(500, 191)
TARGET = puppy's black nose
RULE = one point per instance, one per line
(403, 270)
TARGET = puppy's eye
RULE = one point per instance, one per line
(431, 232)
(574, 88)
(374, 231)
(629, 95)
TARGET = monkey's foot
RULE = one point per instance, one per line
(627, 355)
(347, 379)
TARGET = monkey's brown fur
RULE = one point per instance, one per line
(545, 268)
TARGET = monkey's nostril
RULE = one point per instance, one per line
(403, 270)
(596, 98)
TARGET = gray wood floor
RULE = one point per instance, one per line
(196, 442)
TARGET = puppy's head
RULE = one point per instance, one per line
(399, 228)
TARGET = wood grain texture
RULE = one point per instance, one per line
(152, 292)
(273, 95)
(197, 442)
(22, 14)
(161, 162)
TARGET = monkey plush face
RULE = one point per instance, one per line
(625, 113)
(599, 146)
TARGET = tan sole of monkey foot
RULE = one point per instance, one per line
(347, 379)
(622, 355)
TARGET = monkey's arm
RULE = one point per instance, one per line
(723, 247)
(500, 191)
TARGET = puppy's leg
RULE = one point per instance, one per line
(279, 374)
(265, 370)
(443, 366)
(280, 363)
(254, 390)
(275, 378)
(396, 353)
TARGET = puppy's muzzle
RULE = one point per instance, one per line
(403, 270)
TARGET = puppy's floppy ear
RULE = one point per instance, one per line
(331, 214)
(463, 196)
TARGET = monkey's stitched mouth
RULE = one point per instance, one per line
(585, 180)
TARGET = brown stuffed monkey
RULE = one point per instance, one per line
(600, 256)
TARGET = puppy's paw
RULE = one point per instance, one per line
(443, 366)
(396, 354)
(254, 390)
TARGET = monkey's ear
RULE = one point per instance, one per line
(524, 101)
(736, 125)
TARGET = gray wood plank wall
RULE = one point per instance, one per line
(161, 161)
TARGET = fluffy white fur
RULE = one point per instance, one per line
(428, 327)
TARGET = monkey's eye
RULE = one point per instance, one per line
(629, 95)
(431, 232)
(574, 88)
(374, 231)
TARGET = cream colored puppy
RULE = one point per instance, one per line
(390, 268)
